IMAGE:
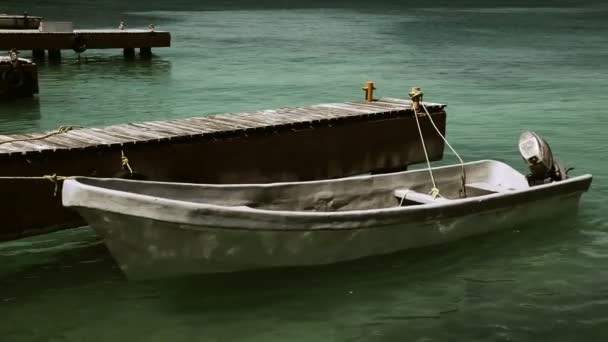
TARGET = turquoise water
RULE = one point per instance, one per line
(500, 70)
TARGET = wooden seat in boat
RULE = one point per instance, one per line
(417, 197)
(485, 187)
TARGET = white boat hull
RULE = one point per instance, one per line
(151, 248)
(162, 229)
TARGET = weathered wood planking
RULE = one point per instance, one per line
(132, 133)
(95, 39)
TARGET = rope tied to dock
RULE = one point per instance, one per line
(463, 178)
(416, 96)
(64, 129)
(434, 191)
(125, 162)
(55, 180)
(60, 130)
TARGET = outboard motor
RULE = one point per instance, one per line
(537, 155)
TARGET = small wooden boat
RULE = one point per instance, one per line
(19, 22)
(157, 229)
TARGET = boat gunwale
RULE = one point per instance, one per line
(308, 182)
(226, 217)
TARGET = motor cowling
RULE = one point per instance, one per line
(538, 156)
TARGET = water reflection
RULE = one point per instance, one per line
(95, 61)
(371, 299)
(19, 114)
(78, 256)
(70, 93)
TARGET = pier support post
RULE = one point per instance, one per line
(38, 54)
(145, 52)
(54, 55)
(128, 53)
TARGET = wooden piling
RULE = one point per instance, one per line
(18, 80)
(128, 53)
(38, 54)
(54, 55)
(145, 52)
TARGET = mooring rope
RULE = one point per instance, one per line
(125, 162)
(434, 190)
(464, 174)
(60, 130)
(55, 180)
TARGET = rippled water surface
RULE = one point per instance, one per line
(500, 69)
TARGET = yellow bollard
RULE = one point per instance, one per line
(369, 91)
(416, 95)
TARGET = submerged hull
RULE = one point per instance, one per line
(149, 248)
(161, 229)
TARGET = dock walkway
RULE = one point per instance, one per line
(289, 144)
(81, 40)
(208, 126)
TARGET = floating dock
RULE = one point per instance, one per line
(81, 40)
(18, 78)
(289, 144)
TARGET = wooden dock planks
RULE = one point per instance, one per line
(132, 133)
(94, 39)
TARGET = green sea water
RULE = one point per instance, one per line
(501, 67)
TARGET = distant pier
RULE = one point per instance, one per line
(63, 38)
(18, 77)
(288, 144)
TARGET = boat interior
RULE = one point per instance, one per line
(405, 188)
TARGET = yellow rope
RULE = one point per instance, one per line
(125, 161)
(67, 128)
(434, 190)
(55, 180)
(464, 174)
(62, 129)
